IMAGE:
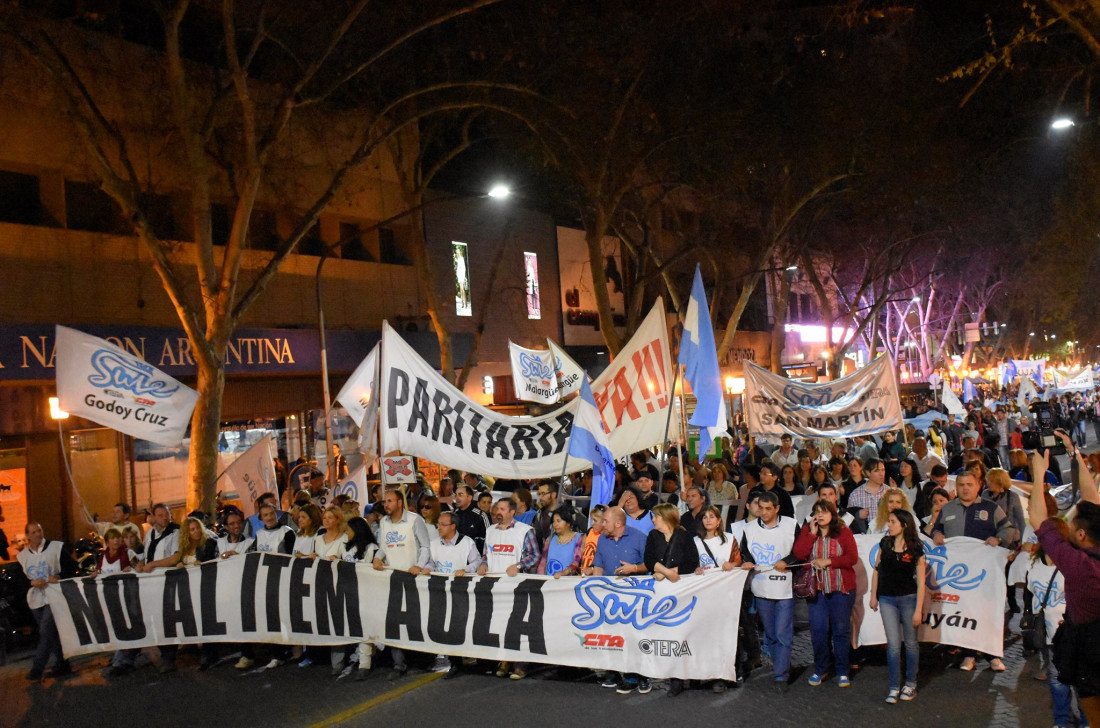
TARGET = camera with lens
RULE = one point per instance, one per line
(1041, 435)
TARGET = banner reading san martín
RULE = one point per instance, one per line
(859, 404)
(656, 628)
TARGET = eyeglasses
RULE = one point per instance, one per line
(425, 508)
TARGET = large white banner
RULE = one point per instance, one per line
(100, 382)
(252, 474)
(1080, 382)
(963, 602)
(859, 404)
(570, 373)
(534, 376)
(655, 628)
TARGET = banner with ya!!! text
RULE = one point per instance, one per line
(963, 601)
(655, 628)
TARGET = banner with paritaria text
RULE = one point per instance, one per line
(660, 629)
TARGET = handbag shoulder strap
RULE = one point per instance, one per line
(1050, 585)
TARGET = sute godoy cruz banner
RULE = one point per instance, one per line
(861, 403)
(100, 382)
(252, 474)
(964, 596)
(660, 629)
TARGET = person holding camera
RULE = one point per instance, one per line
(1077, 556)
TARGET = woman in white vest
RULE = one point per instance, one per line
(45, 562)
(309, 521)
(766, 548)
(331, 541)
(361, 546)
(717, 551)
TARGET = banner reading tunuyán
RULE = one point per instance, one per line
(963, 602)
(655, 628)
(859, 404)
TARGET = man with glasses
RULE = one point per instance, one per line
(453, 555)
(402, 545)
(543, 520)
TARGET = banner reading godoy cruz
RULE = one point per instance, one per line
(99, 381)
(963, 602)
(861, 403)
(656, 628)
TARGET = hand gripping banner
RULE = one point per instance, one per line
(636, 624)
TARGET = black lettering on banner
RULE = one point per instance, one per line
(208, 600)
(442, 408)
(439, 629)
(403, 607)
(337, 598)
(523, 442)
(85, 610)
(419, 413)
(475, 433)
(397, 394)
(124, 606)
(561, 437)
(483, 613)
(496, 438)
(527, 602)
(543, 440)
(248, 591)
(274, 565)
(178, 608)
(459, 422)
(299, 591)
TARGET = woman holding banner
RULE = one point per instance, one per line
(898, 587)
(670, 553)
(831, 549)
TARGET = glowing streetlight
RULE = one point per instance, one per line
(56, 413)
(500, 191)
(1061, 124)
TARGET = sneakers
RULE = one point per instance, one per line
(643, 685)
(275, 662)
(996, 665)
(503, 669)
(967, 665)
(908, 693)
(892, 697)
(610, 681)
(843, 682)
(244, 663)
(518, 674)
(305, 662)
(815, 680)
(625, 687)
(347, 671)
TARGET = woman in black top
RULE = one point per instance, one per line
(669, 552)
(898, 587)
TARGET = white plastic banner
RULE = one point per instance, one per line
(357, 394)
(1081, 382)
(635, 624)
(859, 404)
(569, 372)
(534, 375)
(963, 602)
(100, 382)
(951, 402)
(252, 474)
(355, 485)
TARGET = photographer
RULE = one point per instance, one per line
(1077, 642)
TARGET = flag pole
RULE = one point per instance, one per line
(683, 436)
(565, 460)
(668, 417)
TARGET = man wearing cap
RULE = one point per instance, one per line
(645, 483)
(786, 454)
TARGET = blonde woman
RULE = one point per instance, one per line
(331, 541)
(892, 500)
(196, 546)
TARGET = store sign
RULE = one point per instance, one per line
(580, 315)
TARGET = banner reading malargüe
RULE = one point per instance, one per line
(963, 602)
(100, 382)
(656, 628)
(859, 404)
(534, 376)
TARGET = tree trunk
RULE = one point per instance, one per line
(202, 466)
(779, 335)
(594, 231)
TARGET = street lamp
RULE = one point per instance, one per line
(1061, 124)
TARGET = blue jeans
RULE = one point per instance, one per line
(49, 641)
(897, 620)
(778, 618)
(831, 612)
(1061, 695)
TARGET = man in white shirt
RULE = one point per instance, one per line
(926, 459)
(162, 542)
(454, 555)
(786, 454)
(45, 562)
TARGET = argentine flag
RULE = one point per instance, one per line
(589, 441)
(699, 357)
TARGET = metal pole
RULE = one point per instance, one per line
(683, 436)
(329, 460)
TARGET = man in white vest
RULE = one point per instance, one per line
(402, 545)
(162, 542)
(454, 555)
(45, 562)
(510, 547)
(766, 548)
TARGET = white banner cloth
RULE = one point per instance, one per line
(570, 372)
(100, 382)
(357, 393)
(963, 602)
(534, 376)
(252, 474)
(655, 628)
(859, 404)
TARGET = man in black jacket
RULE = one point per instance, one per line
(470, 520)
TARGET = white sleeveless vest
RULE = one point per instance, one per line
(398, 541)
(504, 547)
(767, 546)
(269, 541)
(40, 565)
(449, 558)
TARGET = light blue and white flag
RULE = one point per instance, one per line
(951, 401)
(699, 357)
(589, 441)
(969, 392)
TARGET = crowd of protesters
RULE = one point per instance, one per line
(670, 518)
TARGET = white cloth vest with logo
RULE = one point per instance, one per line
(450, 558)
(504, 547)
(269, 541)
(40, 565)
(225, 546)
(767, 546)
(720, 550)
(399, 541)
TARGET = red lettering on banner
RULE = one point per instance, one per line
(662, 386)
(645, 387)
(622, 399)
(603, 640)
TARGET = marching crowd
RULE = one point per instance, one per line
(738, 513)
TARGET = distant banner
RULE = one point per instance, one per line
(1033, 368)
(354, 486)
(655, 628)
(534, 376)
(570, 373)
(253, 474)
(357, 394)
(859, 404)
(1081, 382)
(964, 600)
(100, 382)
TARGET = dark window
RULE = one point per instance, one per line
(262, 231)
(219, 223)
(311, 243)
(19, 199)
(389, 249)
(351, 240)
(89, 208)
(161, 214)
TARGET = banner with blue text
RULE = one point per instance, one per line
(655, 628)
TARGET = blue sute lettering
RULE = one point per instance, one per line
(1039, 589)
(706, 562)
(41, 570)
(764, 554)
(393, 538)
(114, 370)
(533, 366)
(955, 576)
(817, 397)
(629, 601)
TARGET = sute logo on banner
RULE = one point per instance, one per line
(627, 601)
(533, 366)
(113, 370)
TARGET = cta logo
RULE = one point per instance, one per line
(605, 642)
(503, 548)
(665, 648)
(945, 597)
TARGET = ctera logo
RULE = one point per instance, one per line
(665, 648)
(114, 370)
(628, 601)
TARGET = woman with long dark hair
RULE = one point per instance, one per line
(897, 586)
(669, 554)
